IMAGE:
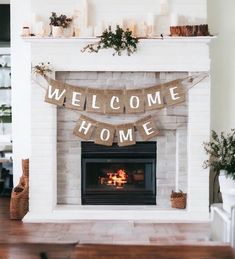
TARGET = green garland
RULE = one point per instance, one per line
(120, 40)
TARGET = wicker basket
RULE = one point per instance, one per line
(19, 204)
(25, 167)
(178, 200)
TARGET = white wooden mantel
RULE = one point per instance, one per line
(170, 55)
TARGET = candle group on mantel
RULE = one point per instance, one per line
(153, 24)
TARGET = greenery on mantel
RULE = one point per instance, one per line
(221, 149)
(120, 40)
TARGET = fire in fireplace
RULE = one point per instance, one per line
(119, 175)
(117, 179)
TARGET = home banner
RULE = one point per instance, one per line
(130, 101)
(104, 133)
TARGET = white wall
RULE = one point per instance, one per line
(194, 11)
(222, 22)
(20, 11)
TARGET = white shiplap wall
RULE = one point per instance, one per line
(191, 11)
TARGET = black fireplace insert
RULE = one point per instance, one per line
(119, 175)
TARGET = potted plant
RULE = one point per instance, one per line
(59, 23)
(221, 149)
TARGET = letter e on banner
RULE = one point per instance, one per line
(174, 94)
(84, 127)
(55, 92)
(126, 135)
(147, 128)
(104, 134)
(75, 97)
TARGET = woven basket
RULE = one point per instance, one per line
(178, 200)
(19, 204)
(25, 167)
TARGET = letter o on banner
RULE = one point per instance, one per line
(104, 134)
(134, 101)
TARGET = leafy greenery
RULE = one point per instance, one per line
(120, 40)
(5, 113)
(221, 149)
(61, 20)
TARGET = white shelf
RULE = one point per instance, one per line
(34, 39)
(5, 50)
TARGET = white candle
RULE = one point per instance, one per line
(85, 12)
(132, 26)
(164, 7)
(174, 19)
(34, 20)
(98, 29)
(86, 32)
(120, 23)
(150, 19)
(39, 29)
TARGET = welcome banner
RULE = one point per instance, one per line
(114, 102)
(119, 101)
(104, 133)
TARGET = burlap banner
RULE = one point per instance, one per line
(117, 101)
(104, 134)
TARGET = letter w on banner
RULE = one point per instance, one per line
(55, 92)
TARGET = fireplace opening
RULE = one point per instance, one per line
(119, 175)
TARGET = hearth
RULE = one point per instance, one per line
(119, 175)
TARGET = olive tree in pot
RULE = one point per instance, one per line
(221, 150)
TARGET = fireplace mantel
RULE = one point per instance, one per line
(169, 55)
(190, 54)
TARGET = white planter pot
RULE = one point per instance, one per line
(227, 188)
(57, 31)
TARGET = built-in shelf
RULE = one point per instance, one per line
(5, 88)
(5, 50)
(33, 39)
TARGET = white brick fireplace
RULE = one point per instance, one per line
(166, 59)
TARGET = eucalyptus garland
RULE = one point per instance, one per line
(120, 40)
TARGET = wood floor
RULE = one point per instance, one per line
(67, 240)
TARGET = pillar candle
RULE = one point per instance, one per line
(132, 27)
(150, 19)
(164, 7)
(34, 20)
(98, 29)
(174, 19)
(85, 12)
(39, 29)
(86, 32)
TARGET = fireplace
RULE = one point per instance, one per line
(57, 178)
(119, 175)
